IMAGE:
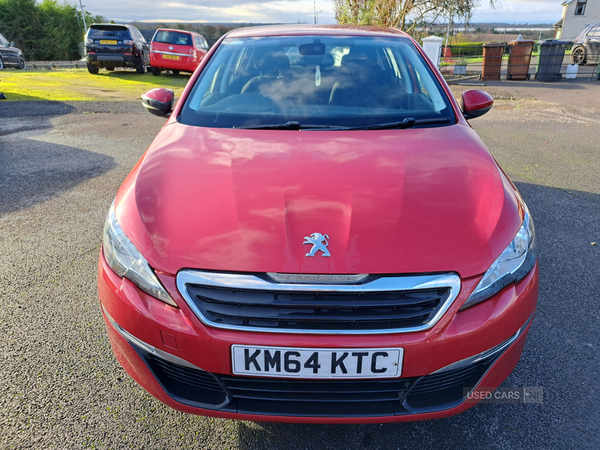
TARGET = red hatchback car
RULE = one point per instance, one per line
(176, 50)
(318, 235)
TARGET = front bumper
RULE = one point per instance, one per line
(187, 365)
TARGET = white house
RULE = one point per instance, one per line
(577, 14)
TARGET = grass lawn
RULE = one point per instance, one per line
(78, 84)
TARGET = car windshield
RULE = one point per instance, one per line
(105, 31)
(322, 81)
(173, 37)
(3, 41)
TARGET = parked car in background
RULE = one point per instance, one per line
(176, 50)
(587, 45)
(111, 45)
(318, 235)
(10, 56)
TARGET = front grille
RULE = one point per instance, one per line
(440, 390)
(252, 303)
(314, 311)
(448, 387)
(316, 398)
(184, 384)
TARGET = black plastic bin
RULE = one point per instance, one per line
(552, 54)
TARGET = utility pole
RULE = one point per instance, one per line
(448, 34)
(83, 16)
(450, 12)
(315, 10)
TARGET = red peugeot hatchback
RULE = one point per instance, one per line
(176, 50)
(318, 235)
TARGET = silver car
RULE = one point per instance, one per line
(587, 45)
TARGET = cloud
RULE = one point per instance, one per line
(292, 11)
(519, 11)
(256, 11)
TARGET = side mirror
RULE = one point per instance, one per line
(476, 103)
(159, 101)
(11, 44)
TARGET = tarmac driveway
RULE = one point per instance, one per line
(60, 167)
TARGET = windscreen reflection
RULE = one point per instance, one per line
(315, 80)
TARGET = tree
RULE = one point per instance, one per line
(210, 31)
(403, 14)
(61, 31)
(44, 30)
(19, 22)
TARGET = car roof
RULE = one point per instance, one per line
(178, 31)
(585, 31)
(114, 25)
(300, 30)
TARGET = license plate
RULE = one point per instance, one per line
(109, 42)
(292, 362)
(170, 56)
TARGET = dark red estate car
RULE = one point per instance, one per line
(176, 50)
(318, 235)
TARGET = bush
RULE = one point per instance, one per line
(44, 30)
(467, 49)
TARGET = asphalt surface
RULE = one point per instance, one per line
(61, 387)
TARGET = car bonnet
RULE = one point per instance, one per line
(393, 201)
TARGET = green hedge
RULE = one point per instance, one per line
(467, 49)
(470, 49)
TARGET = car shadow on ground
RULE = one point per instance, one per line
(32, 170)
(35, 107)
(10, 96)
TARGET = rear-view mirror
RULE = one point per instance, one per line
(314, 49)
(476, 103)
(159, 101)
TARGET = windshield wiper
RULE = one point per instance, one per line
(291, 125)
(409, 122)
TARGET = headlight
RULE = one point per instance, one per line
(126, 260)
(511, 266)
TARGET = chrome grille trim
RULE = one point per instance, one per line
(381, 283)
(498, 349)
(147, 347)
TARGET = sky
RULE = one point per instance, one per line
(292, 11)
